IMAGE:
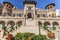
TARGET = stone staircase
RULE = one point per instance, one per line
(30, 22)
(24, 29)
(1, 34)
(30, 27)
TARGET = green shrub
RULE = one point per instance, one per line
(29, 36)
(54, 28)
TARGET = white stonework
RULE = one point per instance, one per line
(29, 18)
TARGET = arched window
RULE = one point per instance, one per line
(44, 15)
(38, 15)
(29, 15)
(5, 14)
(6, 5)
(29, 8)
(2, 22)
(11, 23)
(19, 23)
(14, 15)
(0, 13)
(46, 23)
(19, 15)
(39, 23)
(55, 23)
(9, 14)
(53, 15)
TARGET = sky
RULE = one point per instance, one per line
(40, 3)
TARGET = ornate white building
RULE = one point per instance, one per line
(29, 18)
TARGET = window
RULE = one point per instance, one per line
(49, 15)
(50, 6)
(0, 14)
(29, 8)
(29, 15)
(53, 15)
(9, 14)
(14, 15)
(6, 5)
(38, 15)
(19, 15)
(44, 15)
(9, 6)
(5, 14)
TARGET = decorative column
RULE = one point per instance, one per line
(24, 20)
(59, 24)
(36, 20)
(15, 27)
(5, 24)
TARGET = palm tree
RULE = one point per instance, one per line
(40, 25)
(39, 30)
(54, 28)
(4, 28)
(12, 28)
(46, 28)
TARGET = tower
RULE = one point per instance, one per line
(29, 11)
(51, 10)
(7, 9)
(29, 8)
(50, 6)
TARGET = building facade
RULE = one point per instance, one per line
(28, 19)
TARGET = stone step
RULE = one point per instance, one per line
(24, 29)
(1, 34)
(30, 23)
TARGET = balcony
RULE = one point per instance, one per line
(10, 17)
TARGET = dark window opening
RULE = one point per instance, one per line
(5, 14)
(53, 15)
(44, 15)
(19, 15)
(0, 14)
(29, 15)
(38, 15)
(13, 15)
(9, 14)
(29, 8)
